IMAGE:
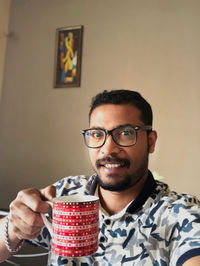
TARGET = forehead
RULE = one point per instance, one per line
(111, 115)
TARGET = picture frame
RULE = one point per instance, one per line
(68, 55)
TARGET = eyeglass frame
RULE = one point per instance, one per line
(109, 132)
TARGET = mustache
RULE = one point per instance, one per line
(113, 160)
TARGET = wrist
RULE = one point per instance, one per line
(16, 244)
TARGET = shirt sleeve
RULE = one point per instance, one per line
(183, 235)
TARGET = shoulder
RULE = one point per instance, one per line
(174, 212)
(172, 204)
(172, 198)
(72, 185)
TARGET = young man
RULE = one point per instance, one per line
(141, 221)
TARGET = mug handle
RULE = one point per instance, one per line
(46, 220)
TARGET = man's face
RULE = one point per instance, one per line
(120, 168)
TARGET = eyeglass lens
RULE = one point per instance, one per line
(124, 136)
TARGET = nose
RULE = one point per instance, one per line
(109, 146)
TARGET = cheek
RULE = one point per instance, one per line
(138, 153)
(142, 144)
(93, 156)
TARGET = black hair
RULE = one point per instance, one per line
(124, 97)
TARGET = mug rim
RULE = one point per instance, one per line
(75, 198)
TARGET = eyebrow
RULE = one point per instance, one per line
(122, 125)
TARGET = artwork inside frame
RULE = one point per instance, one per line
(68, 53)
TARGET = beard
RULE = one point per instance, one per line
(119, 186)
(129, 180)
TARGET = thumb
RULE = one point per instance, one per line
(48, 192)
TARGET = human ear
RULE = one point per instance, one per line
(152, 137)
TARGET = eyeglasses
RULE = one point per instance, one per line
(123, 136)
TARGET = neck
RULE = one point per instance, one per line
(109, 199)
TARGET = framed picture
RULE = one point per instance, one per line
(68, 52)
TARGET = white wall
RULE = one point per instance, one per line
(147, 45)
(4, 18)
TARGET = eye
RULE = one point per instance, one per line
(96, 133)
(127, 132)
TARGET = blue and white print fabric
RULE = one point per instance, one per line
(158, 228)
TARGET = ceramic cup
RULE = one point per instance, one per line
(74, 226)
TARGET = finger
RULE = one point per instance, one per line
(21, 229)
(30, 233)
(33, 199)
(19, 211)
(48, 192)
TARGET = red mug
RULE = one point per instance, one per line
(75, 225)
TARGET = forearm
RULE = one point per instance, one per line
(13, 241)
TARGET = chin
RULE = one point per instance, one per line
(116, 186)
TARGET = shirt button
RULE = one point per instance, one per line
(107, 222)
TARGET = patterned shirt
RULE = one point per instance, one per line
(158, 228)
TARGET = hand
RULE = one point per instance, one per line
(25, 219)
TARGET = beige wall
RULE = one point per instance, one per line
(147, 45)
(4, 18)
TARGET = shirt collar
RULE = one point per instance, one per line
(139, 201)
